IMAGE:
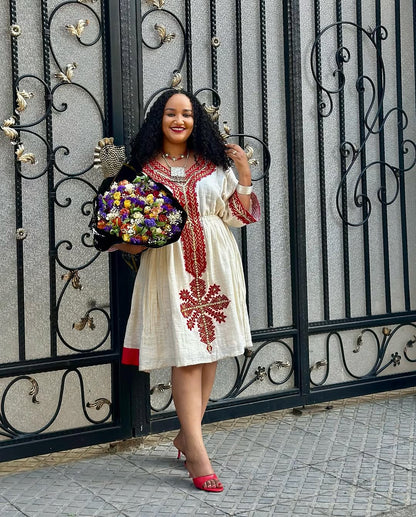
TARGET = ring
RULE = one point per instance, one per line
(234, 152)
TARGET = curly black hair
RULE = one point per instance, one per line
(205, 139)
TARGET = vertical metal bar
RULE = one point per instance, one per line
(363, 162)
(265, 138)
(414, 41)
(345, 232)
(51, 186)
(214, 52)
(188, 44)
(295, 157)
(385, 229)
(399, 89)
(20, 284)
(106, 71)
(322, 171)
(240, 114)
(126, 50)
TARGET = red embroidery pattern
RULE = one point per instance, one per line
(201, 306)
(192, 237)
(241, 213)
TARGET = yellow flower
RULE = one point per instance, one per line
(125, 237)
(116, 195)
(127, 203)
(150, 199)
(117, 202)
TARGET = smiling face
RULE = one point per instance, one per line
(177, 121)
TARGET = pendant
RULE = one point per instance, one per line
(178, 173)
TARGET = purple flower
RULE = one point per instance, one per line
(149, 222)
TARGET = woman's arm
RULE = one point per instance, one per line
(239, 157)
(133, 249)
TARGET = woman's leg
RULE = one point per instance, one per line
(188, 394)
(208, 378)
(207, 382)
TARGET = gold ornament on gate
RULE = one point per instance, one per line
(78, 29)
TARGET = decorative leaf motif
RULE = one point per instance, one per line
(227, 130)
(157, 3)
(99, 403)
(250, 152)
(24, 157)
(176, 80)
(34, 390)
(74, 277)
(9, 131)
(85, 321)
(163, 33)
(69, 73)
(22, 95)
(213, 112)
(78, 29)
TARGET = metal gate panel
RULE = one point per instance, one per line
(59, 373)
(327, 298)
(360, 182)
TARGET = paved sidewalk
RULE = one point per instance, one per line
(355, 459)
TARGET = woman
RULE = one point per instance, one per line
(188, 306)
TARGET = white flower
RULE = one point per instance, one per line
(138, 216)
(175, 217)
(129, 188)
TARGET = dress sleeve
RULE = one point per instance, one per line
(234, 213)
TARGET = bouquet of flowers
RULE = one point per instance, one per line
(136, 211)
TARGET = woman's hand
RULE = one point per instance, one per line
(239, 157)
(133, 249)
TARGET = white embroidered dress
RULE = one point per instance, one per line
(189, 299)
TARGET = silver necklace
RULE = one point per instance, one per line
(174, 158)
(177, 173)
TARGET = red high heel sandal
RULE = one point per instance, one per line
(201, 480)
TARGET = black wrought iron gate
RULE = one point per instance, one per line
(326, 89)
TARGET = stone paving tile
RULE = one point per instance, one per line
(174, 506)
(340, 427)
(292, 442)
(380, 416)
(55, 458)
(357, 459)
(403, 454)
(8, 510)
(44, 492)
(375, 476)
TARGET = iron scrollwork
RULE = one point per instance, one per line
(382, 359)
(248, 372)
(373, 119)
(9, 430)
(15, 131)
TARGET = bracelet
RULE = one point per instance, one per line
(244, 189)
